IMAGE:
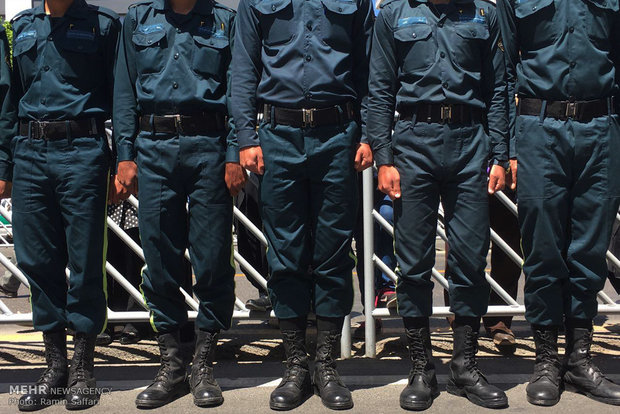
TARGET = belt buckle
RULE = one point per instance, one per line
(40, 129)
(571, 110)
(177, 123)
(308, 118)
(446, 113)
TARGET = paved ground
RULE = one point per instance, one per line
(250, 356)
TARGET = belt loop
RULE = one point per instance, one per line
(340, 115)
(68, 131)
(152, 123)
(414, 116)
(30, 132)
(272, 115)
(94, 130)
(543, 111)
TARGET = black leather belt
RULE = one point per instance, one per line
(442, 113)
(183, 124)
(312, 117)
(581, 111)
(55, 130)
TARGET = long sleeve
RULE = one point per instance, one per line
(232, 145)
(8, 114)
(507, 23)
(616, 57)
(494, 92)
(382, 91)
(246, 73)
(125, 114)
(361, 55)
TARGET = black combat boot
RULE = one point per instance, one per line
(581, 375)
(171, 379)
(334, 394)
(52, 383)
(206, 391)
(466, 380)
(82, 392)
(545, 385)
(296, 386)
(422, 388)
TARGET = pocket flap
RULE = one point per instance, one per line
(340, 6)
(24, 44)
(606, 4)
(216, 42)
(472, 31)
(525, 8)
(271, 6)
(148, 35)
(413, 33)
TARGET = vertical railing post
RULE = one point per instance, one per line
(369, 267)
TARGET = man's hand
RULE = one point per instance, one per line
(234, 177)
(117, 193)
(497, 179)
(389, 181)
(127, 176)
(5, 189)
(363, 157)
(511, 179)
(251, 158)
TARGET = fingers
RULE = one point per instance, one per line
(395, 187)
(357, 163)
(260, 163)
(513, 184)
(493, 179)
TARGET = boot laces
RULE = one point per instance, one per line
(79, 357)
(471, 348)
(417, 353)
(205, 371)
(164, 369)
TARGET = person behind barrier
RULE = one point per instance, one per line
(440, 64)
(171, 117)
(563, 57)
(63, 58)
(304, 64)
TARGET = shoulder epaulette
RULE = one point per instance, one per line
(27, 12)
(491, 2)
(140, 3)
(385, 3)
(106, 12)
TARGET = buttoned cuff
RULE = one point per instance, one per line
(6, 170)
(247, 138)
(383, 156)
(125, 152)
(232, 154)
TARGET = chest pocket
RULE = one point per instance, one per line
(536, 23)
(276, 21)
(25, 56)
(469, 41)
(150, 43)
(599, 19)
(211, 56)
(80, 60)
(416, 47)
(337, 24)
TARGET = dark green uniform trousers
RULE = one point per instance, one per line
(444, 162)
(308, 204)
(172, 169)
(59, 220)
(568, 188)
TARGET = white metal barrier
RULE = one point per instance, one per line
(370, 215)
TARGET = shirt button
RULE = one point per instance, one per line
(273, 7)
(571, 29)
(442, 54)
(46, 68)
(440, 24)
(445, 85)
(309, 25)
(572, 64)
(308, 95)
(50, 38)
(176, 56)
(43, 101)
(308, 58)
(534, 8)
(175, 85)
(340, 9)
(178, 30)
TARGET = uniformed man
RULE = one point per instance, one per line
(7, 121)
(61, 95)
(438, 63)
(304, 65)
(562, 59)
(171, 117)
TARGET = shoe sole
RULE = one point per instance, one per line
(575, 389)
(333, 406)
(543, 403)
(287, 407)
(460, 392)
(209, 402)
(420, 406)
(148, 404)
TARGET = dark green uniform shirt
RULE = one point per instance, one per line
(7, 115)
(560, 49)
(300, 54)
(172, 64)
(62, 67)
(451, 58)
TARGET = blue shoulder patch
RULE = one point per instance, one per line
(26, 35)
(150, 28)
(411, 20)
